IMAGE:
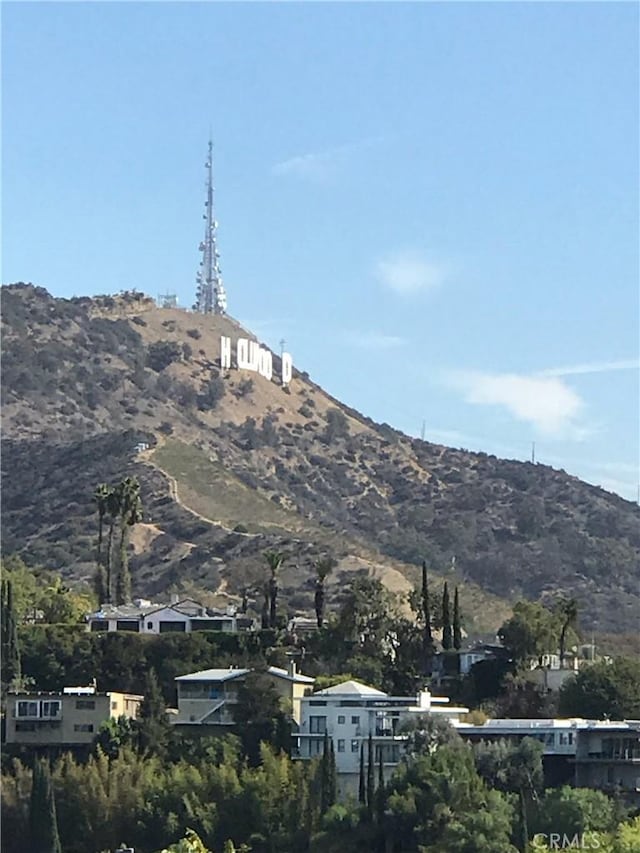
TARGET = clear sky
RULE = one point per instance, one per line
(435, 204)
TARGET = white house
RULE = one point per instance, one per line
(143, 617)
(349, 712)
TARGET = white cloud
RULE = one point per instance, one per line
(545, 402)
(594, 367)
(320, 165)
(409, 272)
(373, 340)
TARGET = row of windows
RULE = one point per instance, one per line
(31, 708)
(318, 725)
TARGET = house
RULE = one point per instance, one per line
(455, 662)
(71, 718)
(349, 712)
(608, 758)
(143, 617)
(207, 697)
(600, 754)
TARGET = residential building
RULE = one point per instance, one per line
(143, 617)
(71, 718)
(349, 712)
(207, 697)
(601, 754)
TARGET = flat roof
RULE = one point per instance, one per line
(214, 674)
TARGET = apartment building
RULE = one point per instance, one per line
(70, 719)
(349, 712)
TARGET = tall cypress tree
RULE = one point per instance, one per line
(362, 791)
(426, 608)
(333, 779)
(371, 790)
(457, 629)
(11, 668)
(447, 634)
(43, 823)
(152, 724)
(325, 784)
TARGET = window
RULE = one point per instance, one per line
(83, 727)
(114, 706)
(99, 625)
(340, 746)
(317, 725)
(27, 709)
(127, 625)
(167, 627)
(355, 720)
(149, 626)
(341, 719)
(51, 709)
(355, 745)
(85, 704)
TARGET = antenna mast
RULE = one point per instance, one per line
(211, 297)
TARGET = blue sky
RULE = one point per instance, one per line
(436, 205)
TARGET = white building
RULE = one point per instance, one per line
(350, 712)
(143, 617)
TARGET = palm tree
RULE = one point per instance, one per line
(274, 561)
(323, 568)
(567, 609)
(130, 510)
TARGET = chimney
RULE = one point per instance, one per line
(292, 668)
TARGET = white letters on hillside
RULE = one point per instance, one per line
(251, 356)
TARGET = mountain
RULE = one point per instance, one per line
(238, 463)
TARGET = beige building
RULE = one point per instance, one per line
(70, 718)
(207, 697)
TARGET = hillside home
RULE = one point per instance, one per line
(143, 617)
(206, 698)
(349, 712)
(70, 719)
(599, 754)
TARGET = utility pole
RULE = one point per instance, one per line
(423, 430)
(533, 452)
(211, 297)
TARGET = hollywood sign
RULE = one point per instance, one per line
(251, 356)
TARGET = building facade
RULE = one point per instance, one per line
(207, 698)
(349, 712)
(71, 718)
(143, 617)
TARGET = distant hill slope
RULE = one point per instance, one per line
(84, 380)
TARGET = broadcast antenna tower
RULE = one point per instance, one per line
(211, 297)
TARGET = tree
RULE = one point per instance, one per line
(259, 716)
(426, 611)
(130, 509)
(327, 775)
(567, 610)
(447, 634)
(603, 690)
(574, 811)
(100, 497)
(274, 561)
(323, 568)
(11, 664)
(371, 790)
(43, 824)
(112, 503)
(531, 632)
(152, 723)
(457, 629)
(425, 734)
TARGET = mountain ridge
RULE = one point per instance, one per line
(85, 379)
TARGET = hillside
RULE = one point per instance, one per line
(84, 380)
